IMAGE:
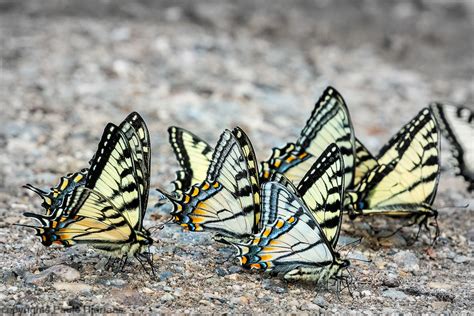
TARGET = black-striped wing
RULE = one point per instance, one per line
(54, 198)
(194, 156)
(106, 212)
(291, 240)
(329, 123)
(364, 162)
(457, 126)
(136, 132)
(322, 190)
(228, 201)
(405, 181)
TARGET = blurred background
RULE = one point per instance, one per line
(67, 68)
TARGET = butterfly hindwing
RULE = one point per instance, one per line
(364, 162)
(291, 240)
(457, 126)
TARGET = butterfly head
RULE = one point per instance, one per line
(144, 238)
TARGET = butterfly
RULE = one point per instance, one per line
(106, 208)
(457, 126)
(293, 240)
(228, 200)
(402, 180)
(329, 123)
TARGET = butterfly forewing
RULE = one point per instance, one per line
(138, 137)
(414, 178)
(329, 123)
(322, 189)
(112, 175)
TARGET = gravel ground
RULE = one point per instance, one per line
(68, 68)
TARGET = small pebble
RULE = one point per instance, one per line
(167, 297)
(394, 294)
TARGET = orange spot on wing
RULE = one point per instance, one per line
(266, 257)
(303, 155)
(279, 223)
(256, 266)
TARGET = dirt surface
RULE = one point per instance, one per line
(68, 68)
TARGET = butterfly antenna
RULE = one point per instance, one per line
(35, 189)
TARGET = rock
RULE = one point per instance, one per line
(391, 280)
(439, 305)
(9, 277)
(118, 282)
(165, 275)
(234, 269)
(239, 300)
(461, 259)
(102, 264)
(365, 293)
(72, 287)
(394, 294)
(320, 301)
(407, 261)
(310, 307)
(64, 272)
(439, 285)
(274, 285)
(167, 297)
(221, 271)
(37, 279)
(147, 290)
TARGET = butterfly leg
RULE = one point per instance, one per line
(124, 262)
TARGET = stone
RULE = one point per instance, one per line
(407, 261)
(394, 294)
(118, 282)
(461, 259)
(365, 293)
(102, 264)
(167, 297)
(310, 307)
(165, 275)
(239, 300)
(221, 271)
(391, 280)
(72, 287)
(320, 301)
